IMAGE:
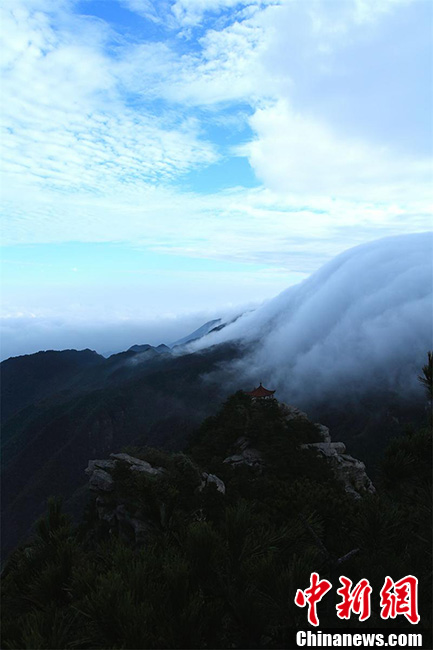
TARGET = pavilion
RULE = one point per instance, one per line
(261, 393)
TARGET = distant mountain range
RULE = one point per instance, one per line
(61, 408)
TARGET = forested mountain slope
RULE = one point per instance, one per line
(207, 548)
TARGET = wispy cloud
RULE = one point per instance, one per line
(66, 123)
(245, 225)
(144, 8)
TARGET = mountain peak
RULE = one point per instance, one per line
(198, 333)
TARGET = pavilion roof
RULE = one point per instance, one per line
(261, 391)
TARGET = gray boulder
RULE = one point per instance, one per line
(291, 412)
(329, 449)
(101, 480)
(99, 464)
(211, 478)
(324, 432)
(347, 469)
(137, 465)
(249, 456)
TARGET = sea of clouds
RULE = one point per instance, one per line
(362, 321)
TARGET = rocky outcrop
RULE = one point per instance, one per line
(99, 478)
(208, 479)
(135, 525)
(350, 471)
(347, 469)
(323, 431)
(99, 464)
(137, 465)
(247, 455)
(129, 523)
(328, 449)
(291, 412)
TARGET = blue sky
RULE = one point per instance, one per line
(176, 157)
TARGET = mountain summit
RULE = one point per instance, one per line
(198, 333)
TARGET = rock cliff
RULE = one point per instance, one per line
(347, 469)
(129, 522)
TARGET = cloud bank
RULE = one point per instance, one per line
(364, 319)
(27, 334)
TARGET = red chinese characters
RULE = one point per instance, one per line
(400, 598)
(396, 598)
(356, 600)
(312, 596)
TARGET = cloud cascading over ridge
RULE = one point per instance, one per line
(364, 319)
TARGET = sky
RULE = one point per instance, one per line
(168, 162)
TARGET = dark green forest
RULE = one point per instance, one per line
(220, 570)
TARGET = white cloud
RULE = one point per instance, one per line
(367, 10)
(65, 120)
(191, 12)
(95, 150)
(294, 153)
(144, 8)
(362, 320)
(226, 67)
(262, 59)
(334, 20)
(255, 225)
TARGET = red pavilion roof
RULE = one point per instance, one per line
(261, 391)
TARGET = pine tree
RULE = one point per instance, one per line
(426, 379)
